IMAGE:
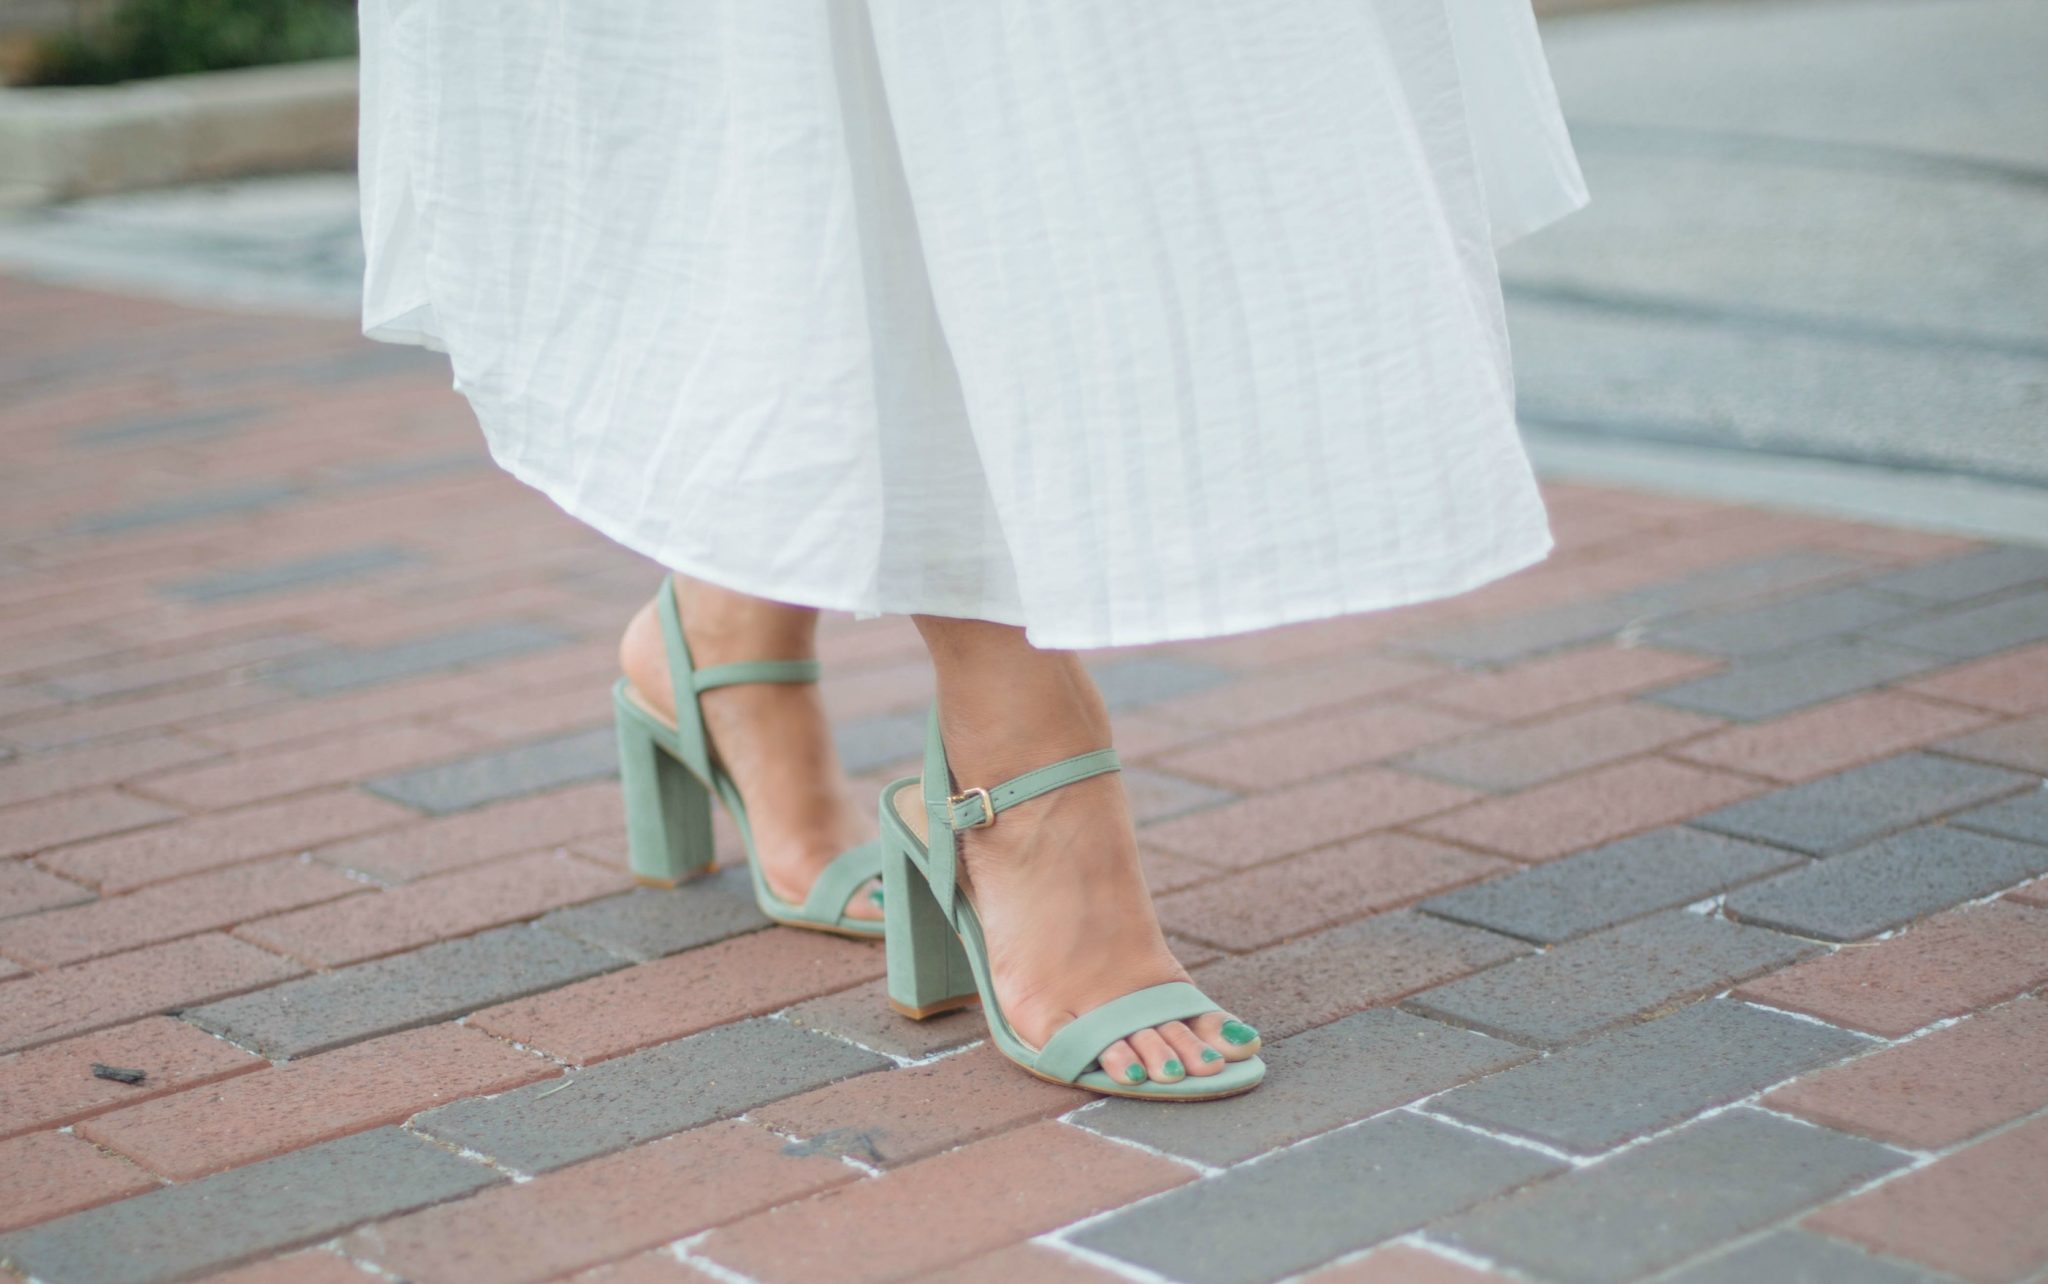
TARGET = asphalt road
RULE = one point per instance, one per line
(1817, 229)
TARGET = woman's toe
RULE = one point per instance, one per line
(1162, 1063)
(1120, 1062)
(1198, 1057)
(1228, 1036)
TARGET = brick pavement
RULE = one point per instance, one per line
(1674, 906)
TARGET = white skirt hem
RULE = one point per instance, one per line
(1456, 574)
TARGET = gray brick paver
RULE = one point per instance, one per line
(2024, 817)
(1523, 636)
(182, 508)
(1765, 578)
(1799, 1257)
(1669, 1199)
(1611, 884)
(1630, 1082)
(1778, 626)
(1888, 883)
(178, 426)
(1969, 633)
(1285, 989)
(1970, 575)
(1317, 1080)
(1149, 679)
(651, 923)
(177, 1232)
(532, 768)
(1787, 681)
(432, 983)
(1322, 1199)
(1580, 988)
(647, 1094)
(333, 670)
(290, 576)
(878, 740)
(1854, 807)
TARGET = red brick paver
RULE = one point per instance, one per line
(2015, 682)
(182, 825)
(695, 990)
(48, 1174)
(32, 826)
(656, 1266)
(1295, 819)
(296, 770)
(53, 1085)
(894, 1118)
(223, 838)
(600, 1210)
(1300, 894)
(167, 911)
(1832, 737)
(1588, 809)
(1951, 964)
(1537, 687)
(1940, 1089)
(1317, 745)
(1546, 748)
(468, 838)
(381, 1081)
(434, 909)
(1975, 1213)
(24, 889)
(315, 1266)
(159, 978)
(943, 1210)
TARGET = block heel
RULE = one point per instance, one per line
(928, 970)
(668, 810)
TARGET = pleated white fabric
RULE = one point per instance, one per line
(1124, 321)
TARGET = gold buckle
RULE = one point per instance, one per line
(988, 807)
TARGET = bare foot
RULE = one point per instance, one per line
(1056, 881)
(771, 738)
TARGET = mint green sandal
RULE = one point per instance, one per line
(669, 776)
(938, 959)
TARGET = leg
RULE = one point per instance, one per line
(1056, 882)
(772, 739)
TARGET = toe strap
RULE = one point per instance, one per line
(1074, 1047)
(838, 881)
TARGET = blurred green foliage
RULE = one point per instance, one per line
(171, 37)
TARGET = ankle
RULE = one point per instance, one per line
(1006, 707)
(723, 625)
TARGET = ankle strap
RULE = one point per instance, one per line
(687, 682)
(728, 675)
(947, 812)
(978, 808)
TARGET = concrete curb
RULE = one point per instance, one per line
(59, 143)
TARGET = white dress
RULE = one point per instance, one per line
(1124, 320)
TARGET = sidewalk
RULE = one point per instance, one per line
(1676, 903)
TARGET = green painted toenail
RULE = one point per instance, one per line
(1136, 1074)
(1173, 1069)
(1238, 1032)
(876, 896)
(1211, 1054)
